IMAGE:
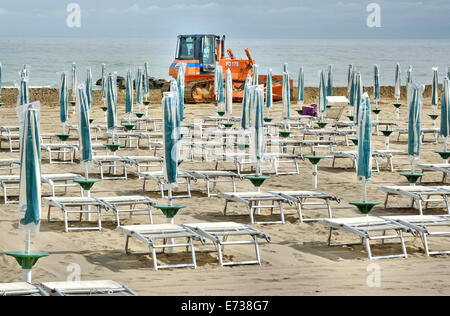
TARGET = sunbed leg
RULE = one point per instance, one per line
(330, 212)
(219, 249)
(194, 261)
(299, 210)
(66, 224)
(386, 200)
(225, 209)
(207, 188)
(126, 245)
(369, 251)
(258, 257)
(282, 213)
(420, 207)
(329, 237)
(425, 244)
(403, 245)
(155, 263)
(252, 220)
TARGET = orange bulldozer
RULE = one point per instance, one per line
(200, 54)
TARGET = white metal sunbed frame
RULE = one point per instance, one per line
(365, 228)
(220, 233)
(54, 180)
(419, 194)
(136, 204)
(62, 150)
(254, 201)
(423, 131)
(9, 165)
(444, 168)
(112, 163)
(390, 155)
(423, 225)
(146, 162)
(214, 177)
(21, 289)
(8, 182)
(300, 199)
(11, 135)
(158, 177)
(87, 288)
(149, 234)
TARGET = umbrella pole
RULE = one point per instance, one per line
(314, 175)
(26, 273)
(365, 191)
(170, 220)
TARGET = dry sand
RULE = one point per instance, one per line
(297, 262)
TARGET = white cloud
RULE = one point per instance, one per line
(3, 11)
(136, 8)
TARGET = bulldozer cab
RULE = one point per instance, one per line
(199, 47)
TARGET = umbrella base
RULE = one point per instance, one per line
(257, 181)
(63, 137)
(268, 119)
(355, 141)
(221, 113)
(104, 108)
(128, 127)
(315, 159)
(444, 154)
(27, 260)
(285, 134)
(397, 105)
(387, 133)
(365, 207)
(113, 147)
(412, 177)
(87, 184)
(139, 115)
(170, 211)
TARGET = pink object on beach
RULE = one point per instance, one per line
(310, 110)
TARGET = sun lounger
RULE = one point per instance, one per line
(353, 156)
(300, 198)
(112, 163)
(423, 131)
(149, 234)
(419, 194)
(62, 151)
(221, 233)
(390, 155)
(8, 182)
(21, 289)
(63, 180)
(146, 162)
(131, 205)
(77, 205)
(278, 159)
(423, 226)
(367, 228)
(87, 288)
(184, 178)
(214, 177)
(444, 168)
(254, 202)
(9, 165)
(11, 139)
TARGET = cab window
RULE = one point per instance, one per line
(186, 48)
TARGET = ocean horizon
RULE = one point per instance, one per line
(47, 57)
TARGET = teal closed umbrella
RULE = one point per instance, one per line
(84, 130)
(269, 92)
(174, 90)
(397, 83)
(139, 88)
(286, 97)
(220, 89)
(415, 100)
(435, 91)
(169, 108)
(181, 86)
(216, 82)
(146, 81)
(74, 81)
(1, 76)
(301, 87)
(228, 94)
(255, 74)
(129, 95)
(24, 95)
(376, 85)
(349, 78)
(364, 167)
(258, 143)
(330, 80)
(445, 113)
(409, 78)
(322, 95)
(63, 101)
(245, 118)
(111, 102)
(104, 80)
(89, 88)
(358, 96)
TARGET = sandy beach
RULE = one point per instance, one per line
(296, 262)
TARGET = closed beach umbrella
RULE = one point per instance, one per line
(216, 80)
(139, 87)
(255, 74)
(89, 88)
(181, 83)
(63, 101)
(376, 85)
(269, 88)
(84, 129)
(146, 80)
(301, 87)
(129, 94)
(245, 118)
(445, 112)
(415, 98)
(364, 169)
(30, 176)
(24, 95)
(349, 78)
(286, 96)
(220, 88)
(104, 79)
(228, 94)
(174, 89)
(435, 92)
(111, 104)
(258, 142)
(358, 96)
(322, 95)
(409, 78)
(169, 109)
(330, 81)
(74, 81)
(397, 83)
(352, 88)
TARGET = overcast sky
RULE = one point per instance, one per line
(235, 18)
